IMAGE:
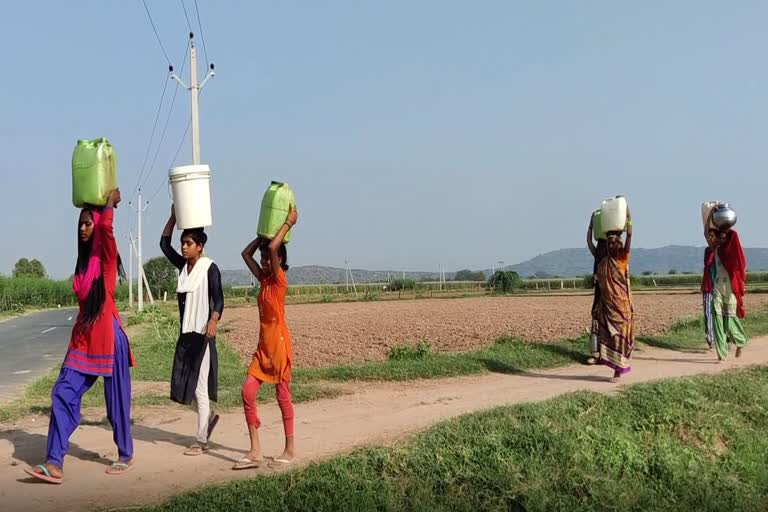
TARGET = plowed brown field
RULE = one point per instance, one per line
(332, 334)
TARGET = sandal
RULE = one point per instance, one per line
(246, 463)
(592, 361)
(119, 467)
(196, 449)
(280, 463)
(44, 475)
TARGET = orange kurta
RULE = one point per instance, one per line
(274, 355)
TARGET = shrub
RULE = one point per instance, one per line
(399, 284)
(406, 352)
(505, 282)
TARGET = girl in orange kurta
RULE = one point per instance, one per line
(273, 358)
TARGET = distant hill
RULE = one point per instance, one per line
(560, 263)
(577, 262)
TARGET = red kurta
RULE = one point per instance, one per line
(92, 348)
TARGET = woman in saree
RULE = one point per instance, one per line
(614, 313)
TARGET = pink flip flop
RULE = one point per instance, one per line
(45, 476)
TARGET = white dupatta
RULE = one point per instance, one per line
(197, 305)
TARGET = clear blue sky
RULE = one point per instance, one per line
(414, 133)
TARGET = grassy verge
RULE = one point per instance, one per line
(505, 356)
(688, 335)
(681, 444)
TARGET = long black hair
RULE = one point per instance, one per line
(283, 253)
(98, 293)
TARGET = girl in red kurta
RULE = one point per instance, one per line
(273, 358)
(98, 348)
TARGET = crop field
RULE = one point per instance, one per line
(334, 334)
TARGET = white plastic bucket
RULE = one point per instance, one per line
(191, 191)
(614, 214)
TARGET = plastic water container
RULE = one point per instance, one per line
(94, 172)
(191, 191)
(706, 209)
(614, 214)
(277, 202)
(597, 225)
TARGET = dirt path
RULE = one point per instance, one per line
(379, 413)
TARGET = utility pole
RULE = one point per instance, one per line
(140, 208)
(194, 88)
(130, 271)
(143, 278)
(346, 273)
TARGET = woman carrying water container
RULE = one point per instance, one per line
(273, 358)
(195, 373)
(728, 289)
(98, 348)
(614, 313)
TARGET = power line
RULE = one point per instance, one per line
(202, 36)
(186, 15)
(151, 138)
(154, 29)
(175, 156)
(181, 144)
(167, 119)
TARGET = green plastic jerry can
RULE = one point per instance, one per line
(94, 172)
(597, 225)
(277, 202)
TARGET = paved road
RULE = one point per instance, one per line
(30, 346)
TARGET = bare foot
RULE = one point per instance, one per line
(616, 378)
(738, 352)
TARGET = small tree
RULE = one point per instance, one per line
(402, 284)
(672, 271)
(647, 273)
(505, 282)
(29, 268)
(161, 275)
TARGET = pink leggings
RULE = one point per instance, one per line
(251, 389)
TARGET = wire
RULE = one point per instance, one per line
(178, 150)
(167, 120)
(181, 143)
(202, 36)
(151, 138)
(186, 15)
(156, 34)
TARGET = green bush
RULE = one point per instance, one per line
(406, 352)
(505, 281)
(402, 284)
